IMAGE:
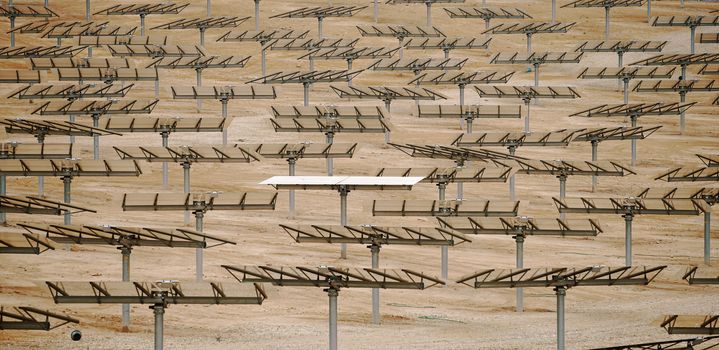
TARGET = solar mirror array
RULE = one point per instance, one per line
(72, 77)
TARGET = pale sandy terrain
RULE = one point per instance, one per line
(456, 317)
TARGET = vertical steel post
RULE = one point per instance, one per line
(263, 52)
(319, 26)
(376, 11)
(692, 30)
(142, 24)
(40, 179)
(387, 105)
(460, 185)
(165, 142)
(349, 68)
(620, 64)
(536, 74)
(634, 141)
(209, 8)
(12, 33)
(461, 94)
(306, 93)
(606, 22)
(561, 293)
(292, 161)
(682, 122)
(332, 293)
(343, 218)
(429, 14)
(595, 145)
(224, 102)
(519, 239)
(562, 191)
(71, 119)
(257, 17)
(89, 51)
(442, 186)
(401, 47)
(628, 239)
(649, 11)
(199, 226)
(445, 263)
(312, 63)
(374, 248)
(330, 163)
(186, 185)
(486, 25)
(3, 191)
(554, 11)
(707, 237)
(159, 312)
(198, 73)
(126, 251)
(512, 194)
(202, 37)
(96, 137)
(526, 120)
(626, 90)
(66, 181)
(87, 10)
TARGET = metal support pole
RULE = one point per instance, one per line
(126, 251)
(445, 263)
(264, 61)
(198, 73)
(469, 124)
(306, 93)
(606, 22)
(561, 293)
(486, 24)
(224, 103)
(683, 76)
(312, 63)
(40, 179)
(3, 191)
(401, 47)
(71, 118)
(692, 30)
(330, 163)
(512, 195)
(12, 33)
(165, 177)
(626, 90)
(332, 293)
(595, 145)
(257, 18)
(292, 162)
(343, 218)
(59, 42)
(682, 123)
(157, 88)
(429, 14)
(529, 45)
(520, 264)
(186, 186)
(96, 137)
(536, 74)
(554, 11)
(562, 191)
(202, 37)
(628, 239)
(142, 24)
(89, 51)
(634, 141)
(461, 94)
(649, 11)
(442, 187)
(376, 11)
(159, 312)
(199, 226)
(620, 64)
(87, 10)
(387, 105)
(66, 180)
(374, 248)
(707, 237)
(349, 68)
(209, 8)
(319, 26)
(526, 119)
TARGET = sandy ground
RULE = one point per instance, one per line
(455, 317)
